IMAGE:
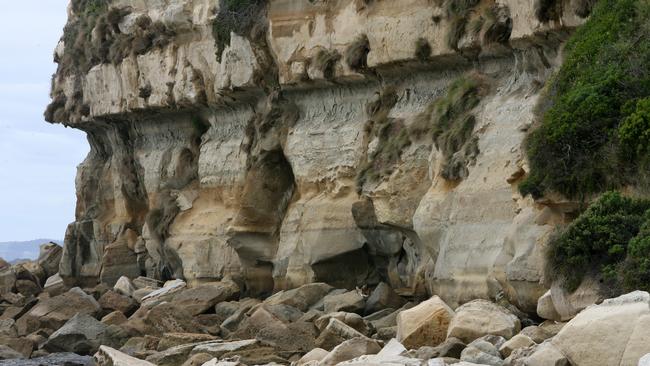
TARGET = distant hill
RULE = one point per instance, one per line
(13, 251)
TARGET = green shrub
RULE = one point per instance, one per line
(634, 132)
(635, 271)
(597, 241)
(576, 150)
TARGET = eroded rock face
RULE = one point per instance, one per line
(257, 155)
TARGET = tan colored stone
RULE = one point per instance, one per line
(480, 317)
(612, 333)
(425, 324)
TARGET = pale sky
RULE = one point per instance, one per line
(37, 160)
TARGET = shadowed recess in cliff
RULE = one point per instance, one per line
(394, 252)
(268, 189)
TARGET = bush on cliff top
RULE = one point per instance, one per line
(582, 145)
(611, 239)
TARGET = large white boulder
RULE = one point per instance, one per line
(614, 333)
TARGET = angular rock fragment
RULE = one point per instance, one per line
(425, 324)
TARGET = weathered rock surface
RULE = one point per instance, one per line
(480, 317)
(82, 334)
(425, 324)
(201, 298)
(107, 356)
(350, 349)
(52, 313)
(612, 333)
(235, 158)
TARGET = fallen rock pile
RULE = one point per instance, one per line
(142, 321)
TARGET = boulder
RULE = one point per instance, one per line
(336, 333)
(480, 317)
(545, 307)
(49, 257)
(174, 356)
(198, 359)
(351, 319)
(383, 297)
(218, 349)
(210, 322)
(124, 286)
(201, 298)
(301, 298)
(546, 354)
(140, 347)
(379, 314)
(285, 313)
(537, 334)
(516, 342)
(7, 328)
(482, 352)
(27, 288)
(169, 340)
(350, 349)
(389, 320)
(645, 360)
(451, 347)
(146, 282)
(114, 318)
(228, 362)
(425, 324)
(13, 298)
(30, 271)
(351, 302)
(162, 318)
(390, 355)
(139, 294)
(7, 280)
(54, 285)
(107, 356)
(166, 293)
(112, 300)
(82, 334)
(251, 325)
(8, 353)
(560, 305)
(55, 359)
(52, 313)
(552, 327)
(294, 337)
(22, 345)
(386, 334)
(614, 333)
(313, 356)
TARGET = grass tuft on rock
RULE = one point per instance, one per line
(356, 54)
(449, 123)
(325, 60)
(586, 140)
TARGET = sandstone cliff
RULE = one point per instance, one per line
(293, 141)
